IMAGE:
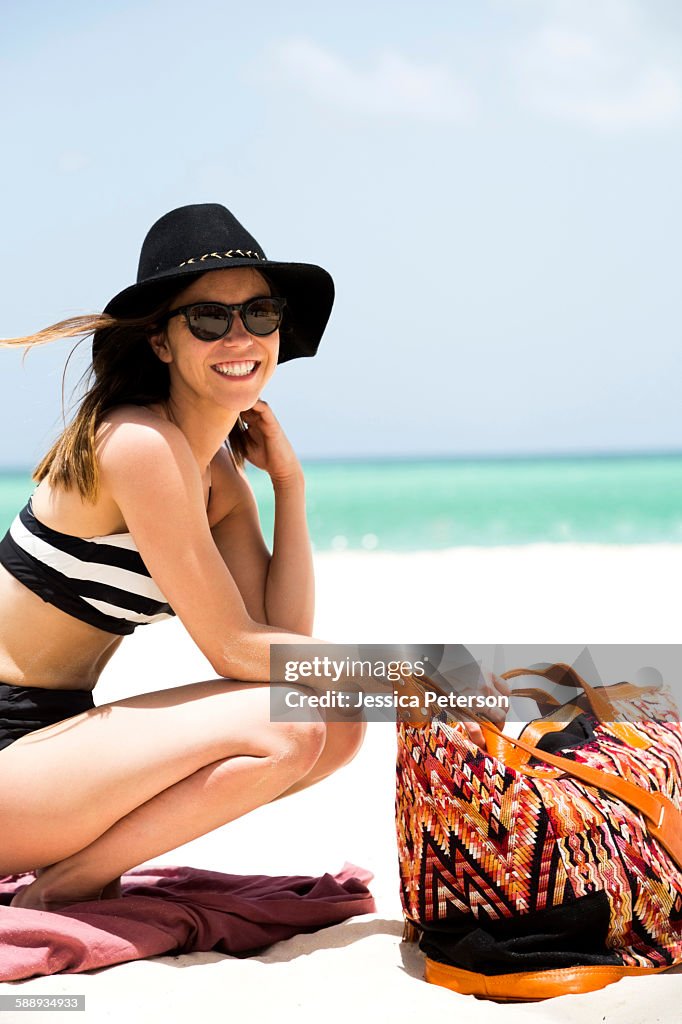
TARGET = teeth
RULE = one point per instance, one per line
(234, 369)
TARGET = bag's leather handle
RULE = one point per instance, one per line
(566, 675)
(532, 734)
(557, 672)
(598, 699)
(545, 701)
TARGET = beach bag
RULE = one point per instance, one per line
(550, 864)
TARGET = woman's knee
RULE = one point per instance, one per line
(296, 746)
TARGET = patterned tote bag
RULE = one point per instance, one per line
(548, 864)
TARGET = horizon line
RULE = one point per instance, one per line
(458, 457)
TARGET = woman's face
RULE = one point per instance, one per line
(233, 370)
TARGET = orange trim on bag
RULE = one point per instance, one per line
(529, 986)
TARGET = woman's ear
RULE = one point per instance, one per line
(158, 340)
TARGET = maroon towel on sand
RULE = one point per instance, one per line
(172, 910)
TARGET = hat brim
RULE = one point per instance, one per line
(308, 289)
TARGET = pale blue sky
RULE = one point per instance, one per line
(494, 185)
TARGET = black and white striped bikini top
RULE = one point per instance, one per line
(101, 580)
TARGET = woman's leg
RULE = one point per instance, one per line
(67, 880)
(103, 791)
(342, 742)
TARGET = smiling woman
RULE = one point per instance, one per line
(202, 336)
(142, 510)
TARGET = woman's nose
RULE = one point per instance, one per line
(237, 331)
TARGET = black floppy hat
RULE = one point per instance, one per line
(194, 239)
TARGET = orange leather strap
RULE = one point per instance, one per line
(531, 734)
(545, 701)
(566, 675)
(598, 699)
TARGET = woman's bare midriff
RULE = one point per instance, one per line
(42, 646)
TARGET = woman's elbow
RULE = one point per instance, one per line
(242, 655)
(246, 654)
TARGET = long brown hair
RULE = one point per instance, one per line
(124, 370)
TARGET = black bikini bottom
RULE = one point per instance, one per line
(24, 709)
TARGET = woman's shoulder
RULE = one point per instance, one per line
(139, 427)
(137, 448)
(146, 415)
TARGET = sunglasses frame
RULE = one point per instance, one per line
(230, 310)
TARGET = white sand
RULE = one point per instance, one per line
(360, 971)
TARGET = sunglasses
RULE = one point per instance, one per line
(210, 321)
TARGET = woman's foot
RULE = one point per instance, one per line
(35, 897)
(112, 890)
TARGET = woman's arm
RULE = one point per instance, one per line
(277, 589)
(149, 470)
(289, 598)
(290, 583)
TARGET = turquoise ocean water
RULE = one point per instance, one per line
(417, 504)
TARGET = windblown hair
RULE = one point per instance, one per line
(124, 370)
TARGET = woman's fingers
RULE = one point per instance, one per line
(261, 417)
(475, 734)
(491, 686)
(501, 684)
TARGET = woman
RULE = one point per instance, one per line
(141, 511)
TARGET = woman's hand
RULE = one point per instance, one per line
(492, 685)
(267, 446)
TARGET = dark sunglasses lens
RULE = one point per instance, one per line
(208, 323)
(263, 316)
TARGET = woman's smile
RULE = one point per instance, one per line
(242, 369)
